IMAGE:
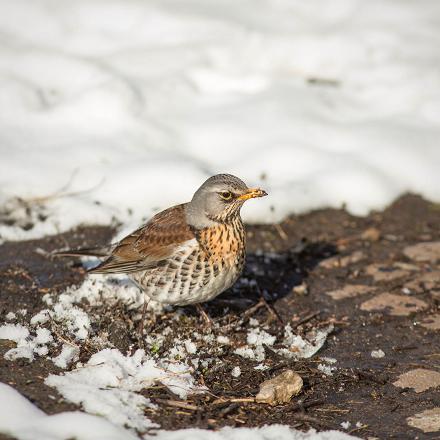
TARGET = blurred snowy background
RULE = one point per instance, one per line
(116, 109)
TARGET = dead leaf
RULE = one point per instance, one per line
(426, 421)
(397, 305)
(418, 379)
(350, 291)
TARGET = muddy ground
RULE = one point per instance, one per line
(393, 307)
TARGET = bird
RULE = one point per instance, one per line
(188, 253)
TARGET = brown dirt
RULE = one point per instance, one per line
(281, 258)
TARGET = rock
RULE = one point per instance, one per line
(431, 322)
(427, 421)
(342, 261)
(301, 289)
(380, 272)
(280, 389)
(371, 234)
(350, 291)
(418, 379)
(424, 252)
(397, 305)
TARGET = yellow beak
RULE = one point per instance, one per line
(251, 193)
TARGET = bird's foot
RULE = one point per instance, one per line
(207, 321)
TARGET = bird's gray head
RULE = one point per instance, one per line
(219, 199)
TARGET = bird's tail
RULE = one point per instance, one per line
(100, 252)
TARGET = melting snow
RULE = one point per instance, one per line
(27, 346)
(26, 422)
(108, 385)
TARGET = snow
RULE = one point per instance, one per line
(14, 332)
(377, 354)
(236, 372)
(223, 340)
(108, 385)
(10, 316)
(298, 347)
(25, 421)
(112, 110)
(326, 369)
(27, 345)
(346, 425)
(68, 354)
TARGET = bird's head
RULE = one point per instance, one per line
(219, 199)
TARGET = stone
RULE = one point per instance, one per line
(380, 272)
(419, 379)
(350, 291)
(431, 322)
(301, 289)
(342, 261)
(426, 421)
(396, 305)
(371, 234)
(428, 251)
(280, 389)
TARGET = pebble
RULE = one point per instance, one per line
(280, 389)
(371, 234)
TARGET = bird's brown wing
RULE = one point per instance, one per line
(149, 245)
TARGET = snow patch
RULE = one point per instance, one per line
(25, 421)
(27, 345)
(98, 114)
(301, 348)
(108, 385)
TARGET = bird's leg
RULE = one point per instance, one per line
(141, 324)
(204, 315)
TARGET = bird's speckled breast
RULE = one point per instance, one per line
(200, 269)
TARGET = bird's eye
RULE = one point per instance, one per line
(226, 195)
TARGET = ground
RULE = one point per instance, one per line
(301, 271)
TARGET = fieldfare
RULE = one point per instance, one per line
(189, 253)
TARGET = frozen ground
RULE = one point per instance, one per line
(115, 107)
(110, 383)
